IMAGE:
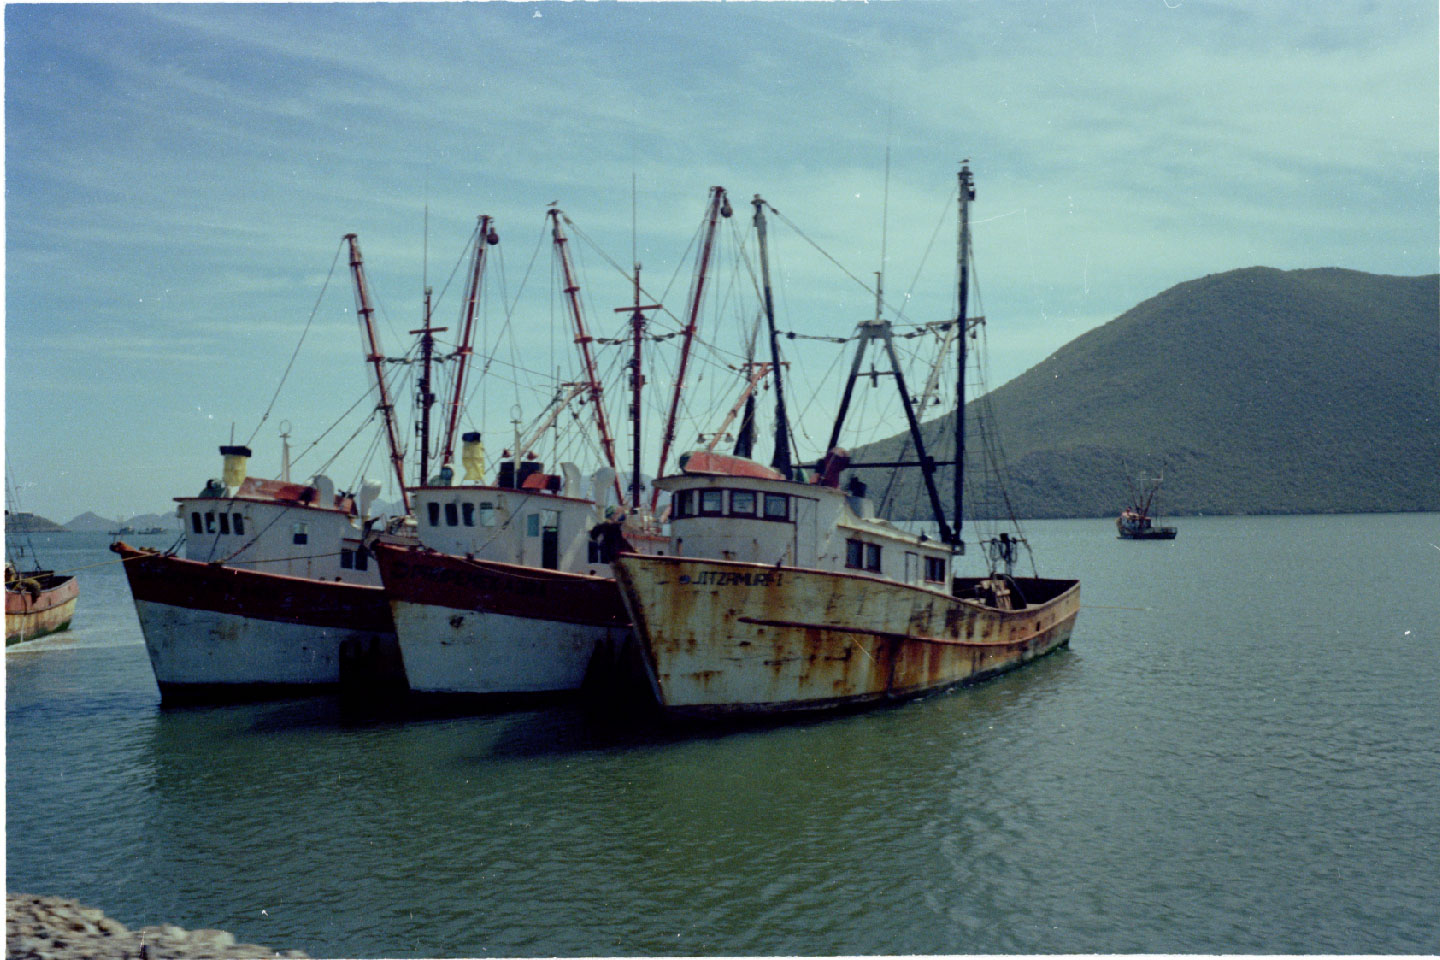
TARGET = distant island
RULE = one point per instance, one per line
(30, 523)
(91, 523)
(1259, 391)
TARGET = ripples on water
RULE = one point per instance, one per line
(1237, 754)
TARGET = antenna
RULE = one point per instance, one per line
(884, 221)
(285, 428)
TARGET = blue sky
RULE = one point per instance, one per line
(178, 178)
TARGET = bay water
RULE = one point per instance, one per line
(1239, 752)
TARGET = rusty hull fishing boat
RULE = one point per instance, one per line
(37, 603)
(786, 594)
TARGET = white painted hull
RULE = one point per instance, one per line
(194, 649)
(470, 652)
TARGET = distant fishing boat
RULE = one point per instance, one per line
(1137, 522)
(37, 602)
(783, 593)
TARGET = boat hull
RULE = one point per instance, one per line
(482, 629)
(1154, 533)
(722, 638)
(43, 609)
(217, 633)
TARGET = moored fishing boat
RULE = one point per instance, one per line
(509, 594)
(784, 594)
(276, 595)
(37, 603)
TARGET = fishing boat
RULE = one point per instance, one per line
(509, 594)
(278, 593)
(38, 602)
(784, 592)
(1137, 522)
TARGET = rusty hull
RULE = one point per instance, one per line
(735, 638)
(46, 607)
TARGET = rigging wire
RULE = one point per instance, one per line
(284, 376)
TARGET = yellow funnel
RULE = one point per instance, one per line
(236, 460)
(472, 455)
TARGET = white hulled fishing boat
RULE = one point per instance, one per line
(278, 593)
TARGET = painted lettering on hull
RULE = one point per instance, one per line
(729, 578)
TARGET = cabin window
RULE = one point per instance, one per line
(452, 515)
(712, 503)
(224, 523)
(912, 567)
(434, 510)
(935, 569)
(362, 559)
(487, 513)
(742, 503)
(872, 557)
(854, 554)
(347, 558)
(209, 521)
(777, 506)
(239, 524)
(685, 503)
(467, 513)
(300, 533)
(532, 525)
(196, 523)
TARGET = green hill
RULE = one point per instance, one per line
(1261, 390)
(20, 523)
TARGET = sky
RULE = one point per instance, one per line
(178, 179)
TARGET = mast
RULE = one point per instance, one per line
(485, 237)
(745, 443)
(582, 340)
(755, 372)
(871, 330)
(637, 381)
(781, 459)
(424, 397)
(719, 207)
(366, 314)
(967, 193)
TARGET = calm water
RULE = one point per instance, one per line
(1240, 752)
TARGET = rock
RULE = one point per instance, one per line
(52, 928)
(215, 938)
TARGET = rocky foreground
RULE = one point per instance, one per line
(52, 928)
